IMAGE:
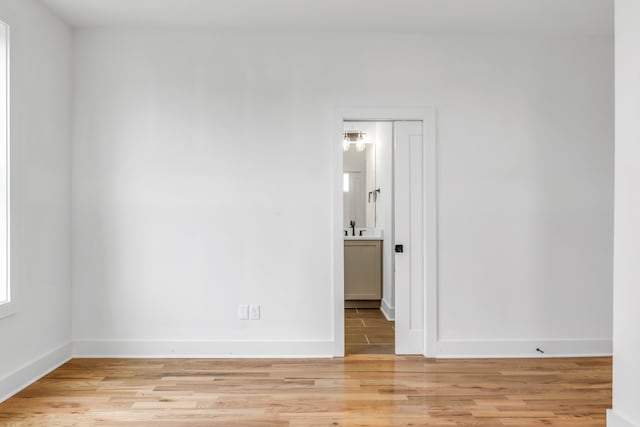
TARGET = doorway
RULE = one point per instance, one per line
(369, 293)
(399, 213)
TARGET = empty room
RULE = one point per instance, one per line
(319, 213)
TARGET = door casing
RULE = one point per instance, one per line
(429, 236)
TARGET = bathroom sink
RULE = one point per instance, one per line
(366, 235)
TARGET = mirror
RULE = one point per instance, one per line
(359, 168)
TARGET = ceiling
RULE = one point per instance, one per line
(557, 17)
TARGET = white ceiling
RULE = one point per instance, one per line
(568, 17)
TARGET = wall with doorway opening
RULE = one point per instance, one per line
(203, 179)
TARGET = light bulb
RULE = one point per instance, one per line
(346, 143)
(360, 145)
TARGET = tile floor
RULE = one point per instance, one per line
(367, 331)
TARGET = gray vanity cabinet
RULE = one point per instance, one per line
(363, 272)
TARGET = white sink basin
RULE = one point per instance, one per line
(366, 235)
(362, 237)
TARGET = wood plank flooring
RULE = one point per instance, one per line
(367, 331)
(354, 391)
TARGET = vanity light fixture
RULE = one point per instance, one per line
(354, 137)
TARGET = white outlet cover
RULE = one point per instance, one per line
(243, 312)
(254, 311)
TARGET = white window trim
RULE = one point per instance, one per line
(9, 307)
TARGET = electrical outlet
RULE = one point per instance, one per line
(243, 312)
(254, 311)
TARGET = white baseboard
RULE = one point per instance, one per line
(614, 419)
(207, 349)
(33, 370)
(388, 311)
(517, 348)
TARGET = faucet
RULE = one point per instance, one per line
(352, 224)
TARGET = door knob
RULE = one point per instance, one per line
(399, 249)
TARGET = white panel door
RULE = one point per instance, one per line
(409, 236)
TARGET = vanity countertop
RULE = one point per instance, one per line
(365, 237)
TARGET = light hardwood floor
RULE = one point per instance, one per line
(354, 391)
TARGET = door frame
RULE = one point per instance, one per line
(430, 210)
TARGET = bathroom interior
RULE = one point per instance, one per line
(368, 235)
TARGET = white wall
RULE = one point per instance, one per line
(188, 147)
(37, 337)
(626, 339)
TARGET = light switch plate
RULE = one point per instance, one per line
(243, 312)
(254, 312)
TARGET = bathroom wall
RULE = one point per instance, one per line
(37, 337)
(202, 179)
(384, 212)
(370, 158)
